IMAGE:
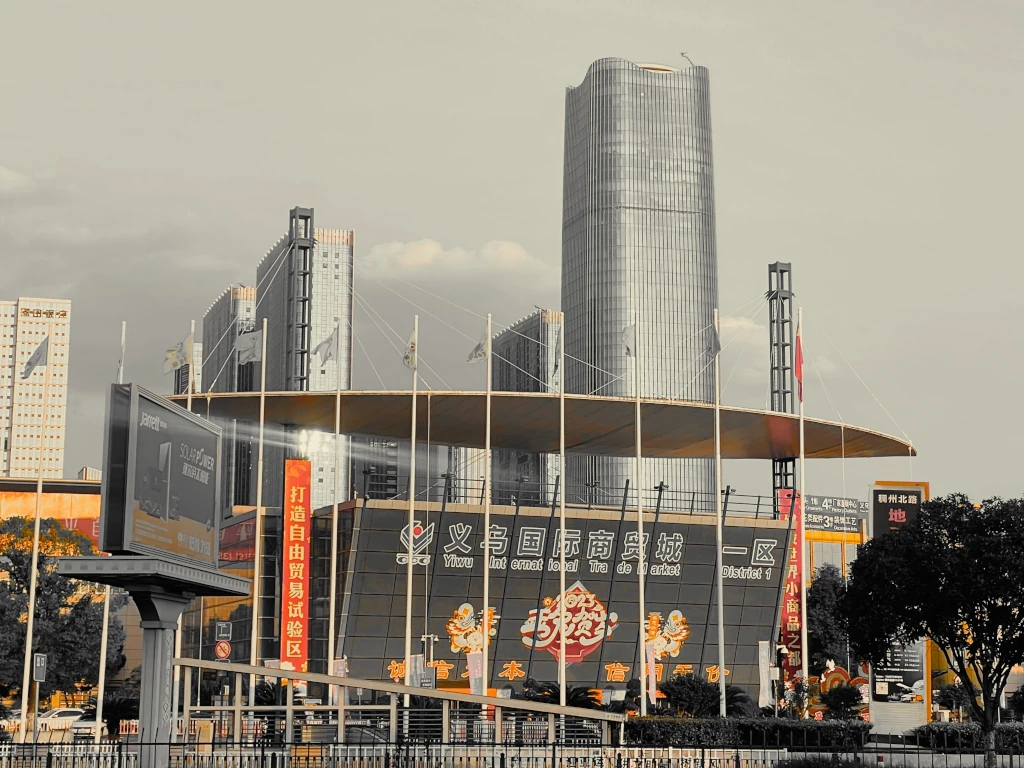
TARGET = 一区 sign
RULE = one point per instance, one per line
(295, 566)
(792, 664)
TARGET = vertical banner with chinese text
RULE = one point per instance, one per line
(295, 566)
(789, 504)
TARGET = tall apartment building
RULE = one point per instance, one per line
(304, 290)
(181, 374)
(638, 245)
(524, 360)
(24, 324)
(232, 314)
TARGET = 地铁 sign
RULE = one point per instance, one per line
(161, 480)
(893, 505)
(295, 566)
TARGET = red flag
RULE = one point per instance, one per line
(798, 365)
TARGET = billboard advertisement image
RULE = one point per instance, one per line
(161, 480)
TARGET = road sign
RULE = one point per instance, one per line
(223, 630)
(39, 667)
(222, 650)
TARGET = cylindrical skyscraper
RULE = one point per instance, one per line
(638, 243)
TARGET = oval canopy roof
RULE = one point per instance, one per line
(528, 421)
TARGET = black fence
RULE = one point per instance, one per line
(132, 754)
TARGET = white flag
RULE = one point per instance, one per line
(249, 347)
(40, 357)
(715, 345)
(409, 358)
(629, 340)
(479, 351)
(180, 355)
(652, 674)
(328, 348)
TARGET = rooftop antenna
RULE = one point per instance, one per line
(683, 54)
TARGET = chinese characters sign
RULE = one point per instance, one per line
(894, 505)
(295, 566)
(834, 513)
(792, 668)
(587, 623)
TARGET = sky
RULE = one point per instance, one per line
(149, 154)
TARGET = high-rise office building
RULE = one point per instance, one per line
(524, 361)
(638, 246)
(24, 325)
(232, 314)
(304, 290)
(181, 375)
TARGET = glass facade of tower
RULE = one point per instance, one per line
(638, 246)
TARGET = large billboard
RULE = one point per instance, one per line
(600, 600)
(160, 480)
(295, 565)
(901, 677)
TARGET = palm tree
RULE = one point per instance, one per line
(579, 696)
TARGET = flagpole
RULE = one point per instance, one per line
(487, 515)
(802, 552)
(719, 533)
(640, 523)
(257, 545)
(412, 504)
(332, 612)
(561, 514)
(102, 681)
(29, 626)
(190, 355)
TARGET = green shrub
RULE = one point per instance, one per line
(758, 732)
(967, 737)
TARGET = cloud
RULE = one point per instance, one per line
(824, 367)
(429, 260)
(18, 187)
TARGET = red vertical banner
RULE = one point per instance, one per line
(790, 504)
(296, 518)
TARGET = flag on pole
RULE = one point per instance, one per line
(558, 355)
(479, 351)
(249, 347)
(629, 340)
(652, 674)
(328, 348)
(409, 358)
(798, 365)
(39, 358)
(179, 355)
(715, 347)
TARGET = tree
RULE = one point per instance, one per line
(68, 616)
(842, 702)
(826, 634)
(953, 697)
(579, 696)
(952, 574)
(695, 697)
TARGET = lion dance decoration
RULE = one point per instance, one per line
(466, 629)
(666, 637)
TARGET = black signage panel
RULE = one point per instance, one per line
(834, 513)
(601, 596)
(901, 677)
(893, 506)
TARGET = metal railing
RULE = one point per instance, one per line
(594, 496)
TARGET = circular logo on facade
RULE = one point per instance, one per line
(222, 650)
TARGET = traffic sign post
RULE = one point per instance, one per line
(38, 676)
